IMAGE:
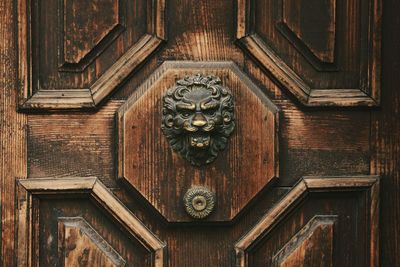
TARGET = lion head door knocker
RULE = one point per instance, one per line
(198, 118)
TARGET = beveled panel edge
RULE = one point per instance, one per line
(298, 239)
(298, 192)
(88, 98)
(158, 74)
(253, 44)
(114, 32)
(86, 229)
(162, 70)
(28, 188)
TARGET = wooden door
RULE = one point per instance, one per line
(200, 133)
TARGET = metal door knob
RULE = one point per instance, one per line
(199, 202)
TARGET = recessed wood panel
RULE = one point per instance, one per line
(162, 177)
(313, 223)
(327, 53)
(87, 27)
(311, 27)
(73, 54)
(79, 222)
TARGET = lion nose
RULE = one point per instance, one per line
(199, 120)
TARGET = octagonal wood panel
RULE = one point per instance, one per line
(148, 164)
(73, 54)
(313, 223)
(325, 52)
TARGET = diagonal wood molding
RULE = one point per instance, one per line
(29, 189)
(32, 97)
(366, 93)
(368, 184)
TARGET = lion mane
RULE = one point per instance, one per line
(179, 129)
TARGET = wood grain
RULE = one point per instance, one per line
(311, 246)
(79, 144)
(87, 30)
(309, 198)
(69, 193)
(99, 63)
(12, 133)
(313, 141)
(238, 174)
(328, 142)
(353, 81)
(79, 244)
(311, 27)
(385, 140)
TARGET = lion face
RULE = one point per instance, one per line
(198, 118)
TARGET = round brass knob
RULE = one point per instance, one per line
(199, 202)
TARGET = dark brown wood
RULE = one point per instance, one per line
(317, 196)
(310, 26)
(282, 37)
(63, 66)
(102, 55)
(33, 192)
(385, 139)
(301, 249)
(87, 31)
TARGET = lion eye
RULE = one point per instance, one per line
(210, 112)
(185, 113)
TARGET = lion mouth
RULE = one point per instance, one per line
(199, 140)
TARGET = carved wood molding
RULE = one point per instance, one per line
(319, 229)
(367, 184)
(77, 233)
(30, 190)
(367, 93)
(32, 96)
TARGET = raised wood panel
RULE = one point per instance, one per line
(352, 201)
(239, 173)
(44, 203)
(327, 53)
(73, 54)
(79, 245)
(311, 246)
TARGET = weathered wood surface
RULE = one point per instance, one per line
(282, 38)
(385, 139)
(41, 207)
(352, 202)
(80, 245)
(78, 144)
(245, 167)
(302, 248)
(63, 66)
(319, 141)
(13, 156)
